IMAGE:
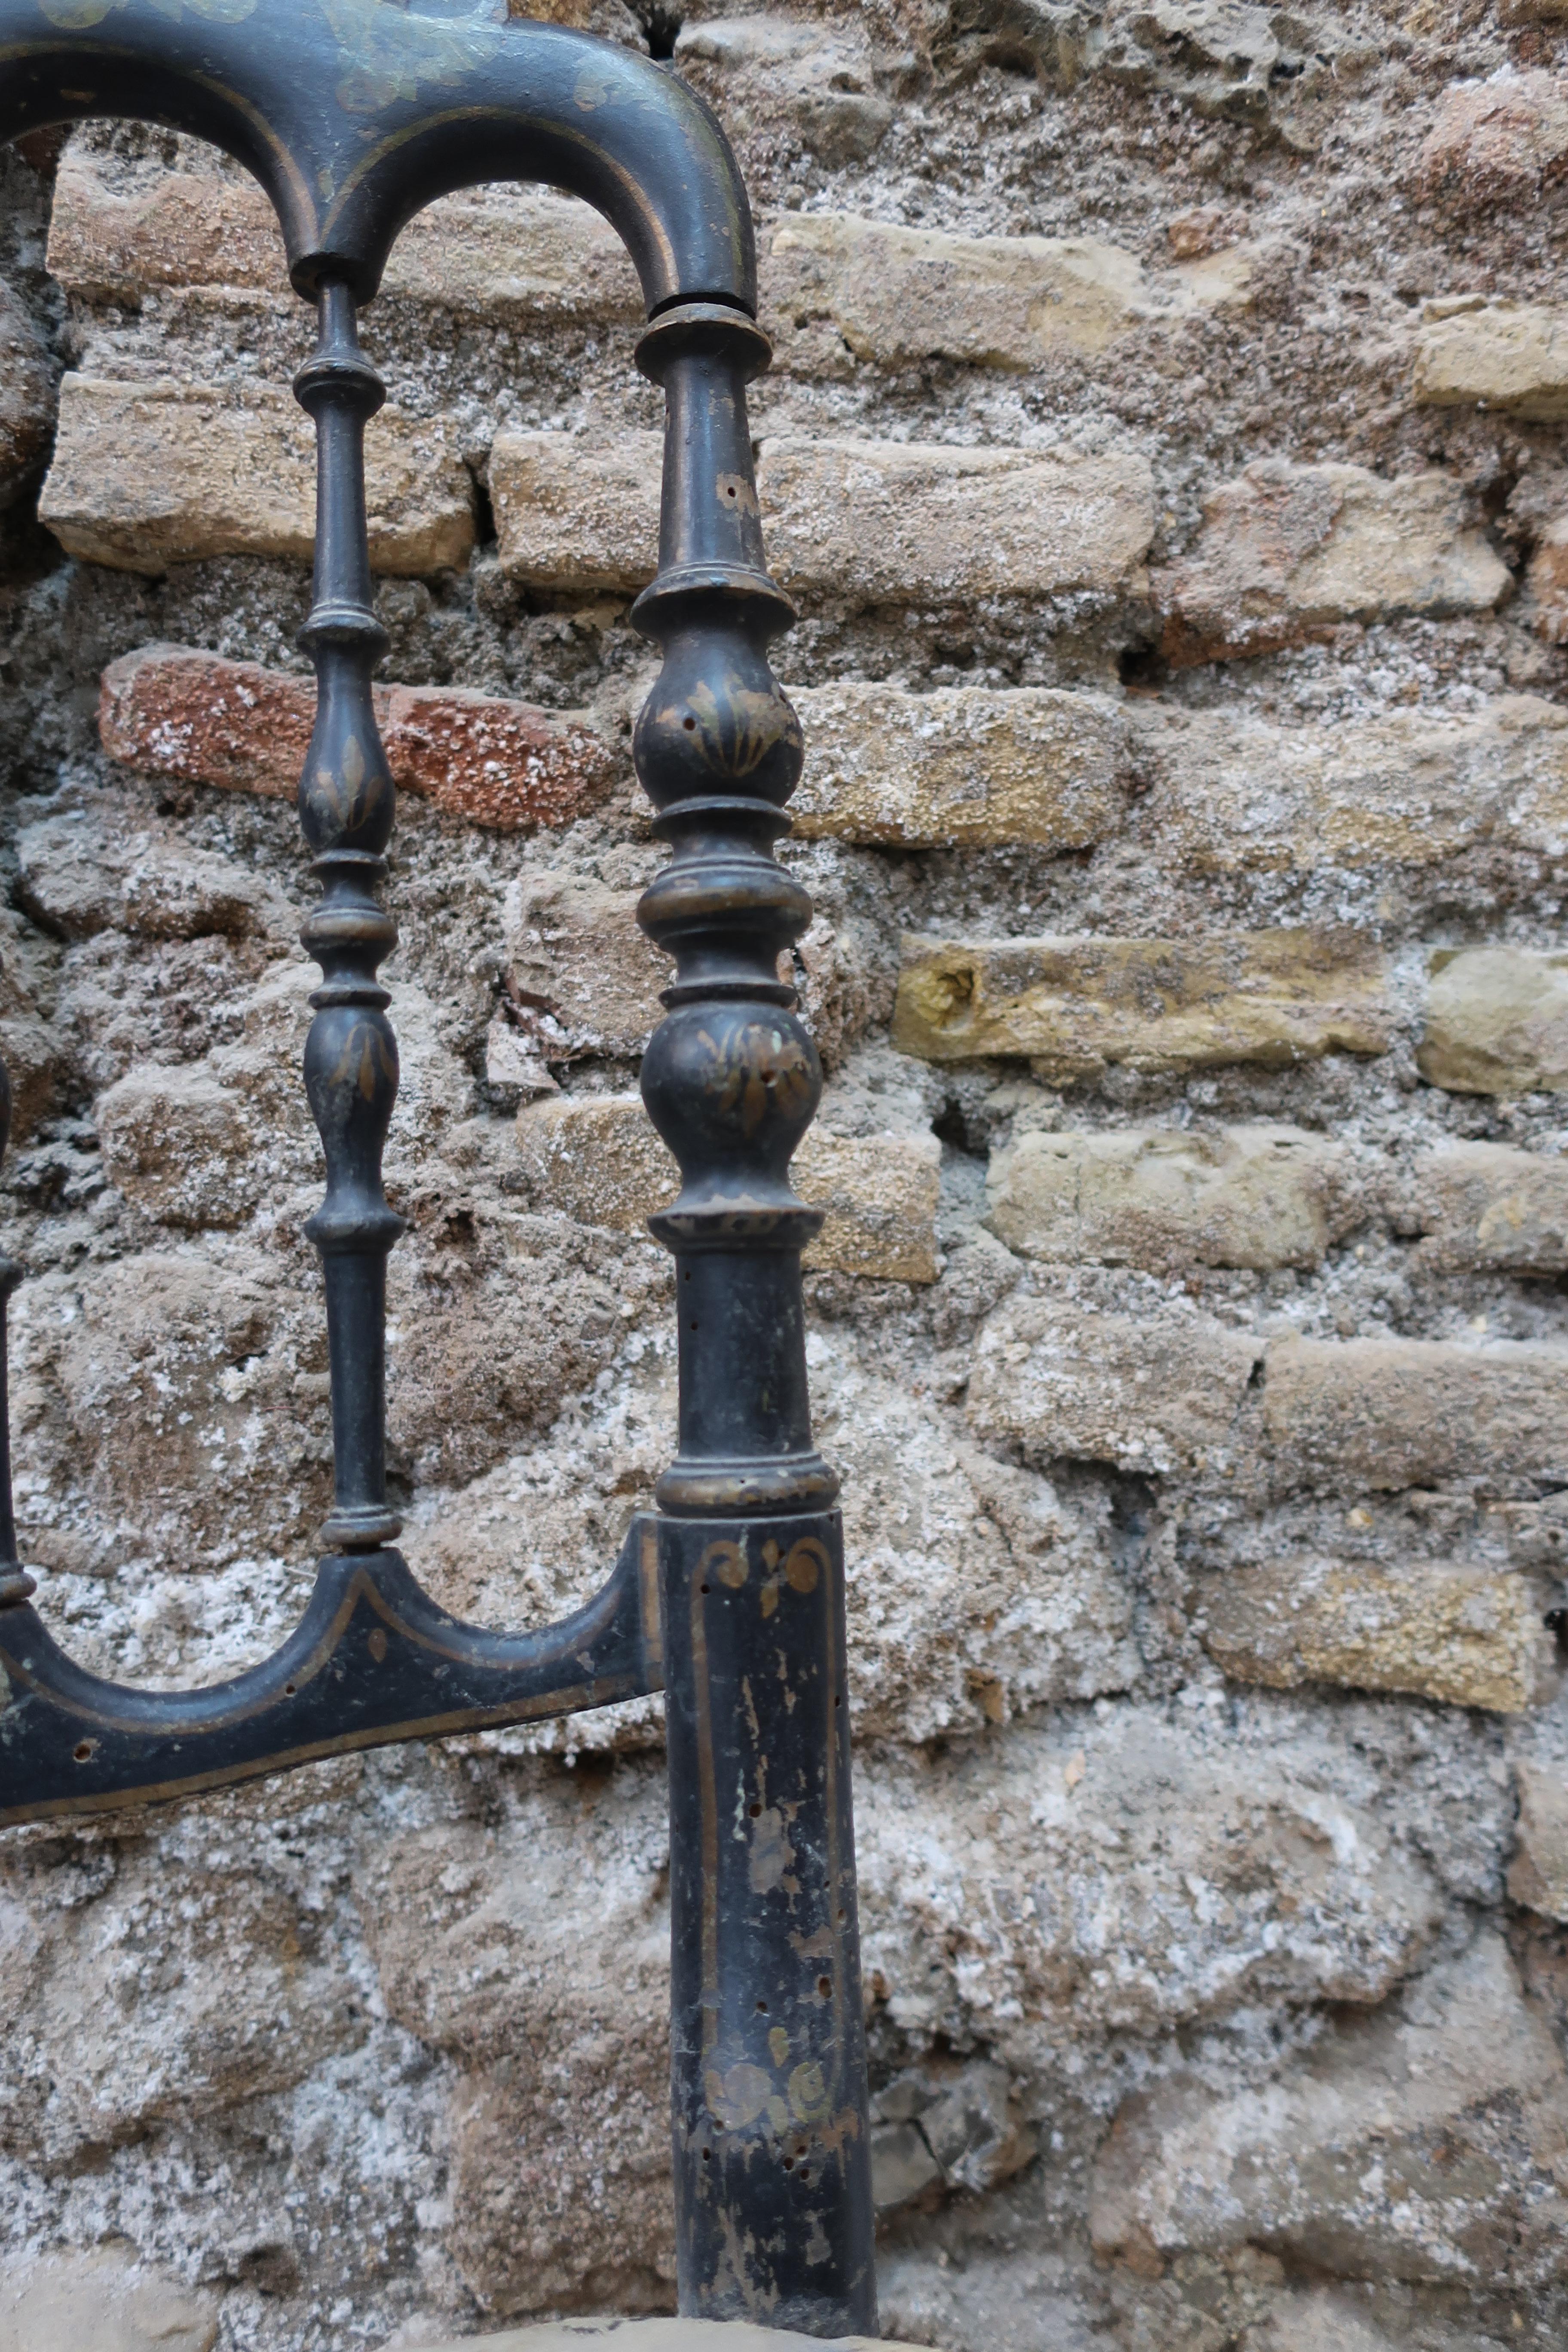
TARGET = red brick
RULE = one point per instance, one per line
(496, 762)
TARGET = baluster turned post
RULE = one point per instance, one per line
(346, 808)
(769, 2105)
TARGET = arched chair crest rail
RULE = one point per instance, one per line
(353, 114)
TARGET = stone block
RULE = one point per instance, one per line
(876, 522)
(1485, 1207)
(899, 522)
(147, 474)
(600, 1160)
(1359, 2147)
(77, 881)
(1083, 1875)
(585, 979)
(1391, 1413)
(1286, 551)
(899, 297)
(171, 710)
(1229, 793)
(1513, 359)
(1503, 141)
(119, 231)
(1538, 1875)
(1496, 1022)
(1246, 1196)
(815, 78)
(182, 1145)
(1074, 1384)
(26, 394)
(961, 766)
(1466, 1636)
(652, 2335)
(105, 2299)
(1073, 1005)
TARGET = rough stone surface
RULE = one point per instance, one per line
(1074, 1005)
(597, 1159)
(586, 981)
(1228, 793)
(959, 766)
(1484, 1206)
(1496, 1022)
(654, 2335)
(1249, 1196)
(1503, 141)
(1353, 2154)
(1459, 1635)
(881, 523)
(1412, 1413)
(1538, 1877)
(1288, 549)
(26, 395)
(1511, 359)
(102, 2302)
(146, 475)
(168, 711)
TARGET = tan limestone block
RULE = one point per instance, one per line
(898, 295)
(1390, 1414)
(1486, 1206)
(1514, 361)
(587, 980)
(575, 518)
(150, 474)
(1496, 1022)
(895, 522)
(1466, 1636)
(600, 1159)
(1063, 1382)
(103, 2299)
(659, 2335)
(1246, 1196)
(882, 522)
(1288, 551)
(960, 767)
(117, 233)
(1227, 792)
(26, 394)
(1538, 1877)
(172, 711)
(1072, 1005)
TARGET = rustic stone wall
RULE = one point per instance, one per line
(1164, 448)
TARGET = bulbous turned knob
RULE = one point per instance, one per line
(717, 722)
(733, 1087)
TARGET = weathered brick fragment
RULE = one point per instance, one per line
(1249, 1196)
(878, 522)
(600, 1159)
(1468, 1636)
(1067, 1383)
(150, 474)
(175, 711)
(1414, 1412)
(1072, 1005)
(26, 394)
(1510, 359)
(1496, 1022)
(959, 766)
(1289, 550)
(1229, 793)
(1482, 1206)
(1499, 142)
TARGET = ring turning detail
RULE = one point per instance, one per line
(730, 1595)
